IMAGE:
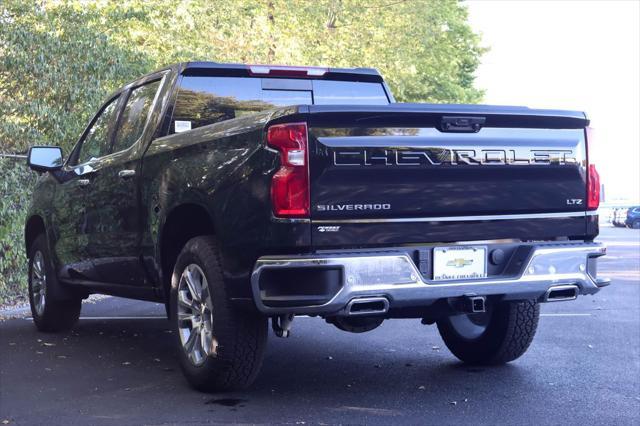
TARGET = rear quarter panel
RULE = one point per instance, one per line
(225, 169)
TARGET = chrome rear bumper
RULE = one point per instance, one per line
(394, 276)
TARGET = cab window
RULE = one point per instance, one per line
(206, 100)
(97, 139)
(134, 116)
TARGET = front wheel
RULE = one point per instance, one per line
(50, 313)
(220, 347)
(500, 335)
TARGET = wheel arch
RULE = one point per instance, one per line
(183, 222)
(33, 228)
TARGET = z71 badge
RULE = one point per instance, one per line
(328, 228)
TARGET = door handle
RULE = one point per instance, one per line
(126, 174)
(83, 182)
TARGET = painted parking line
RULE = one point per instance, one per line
(297, 316)
(124, 318)
(543, 315)
(114, 318)
(565, 315)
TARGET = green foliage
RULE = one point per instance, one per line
(60, 59)
(14, 199)
(57, 64)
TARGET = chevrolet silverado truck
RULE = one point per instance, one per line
(235, 194)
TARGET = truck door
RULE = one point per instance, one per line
(114, 198)
(70, 209)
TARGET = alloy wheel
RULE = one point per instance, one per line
(194, 315)
(38, 283)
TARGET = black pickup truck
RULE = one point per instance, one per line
(241, 193)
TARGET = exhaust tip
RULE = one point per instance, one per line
(561, 293)
(368, 306)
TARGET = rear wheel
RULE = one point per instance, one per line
(500, 335)
(220, 347)
(50, 314)
(635, 224)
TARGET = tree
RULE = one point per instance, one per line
(57, 63)
(60, 59)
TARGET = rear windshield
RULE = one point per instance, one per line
(206, 100)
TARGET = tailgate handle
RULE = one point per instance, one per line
(462, 124)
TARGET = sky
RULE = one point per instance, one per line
(582, 55)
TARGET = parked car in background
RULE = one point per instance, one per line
(632, 219)
(619, 217)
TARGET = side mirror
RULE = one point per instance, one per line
(44, 158)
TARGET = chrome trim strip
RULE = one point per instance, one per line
(458, 218)
(289, 220)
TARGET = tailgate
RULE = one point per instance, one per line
(400, 165)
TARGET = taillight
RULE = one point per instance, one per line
(593, 188)
(593, 178)
(290, 184)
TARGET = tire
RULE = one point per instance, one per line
(500, 335)
(220, 347)
(50, 313)
(635, 224)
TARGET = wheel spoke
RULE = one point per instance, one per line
(206, 297)
(197, 347)
(184, 301)
(189, 345)
(191, 284)
(185, 317)
(205, 341)
(37, 267)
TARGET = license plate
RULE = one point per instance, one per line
(459, 263)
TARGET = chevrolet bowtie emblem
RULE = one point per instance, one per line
(459, 262)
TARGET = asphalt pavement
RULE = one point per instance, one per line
(118, 366)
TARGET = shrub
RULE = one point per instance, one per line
(16, 181)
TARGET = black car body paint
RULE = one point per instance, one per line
(107, 235)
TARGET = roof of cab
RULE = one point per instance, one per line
(281, 71)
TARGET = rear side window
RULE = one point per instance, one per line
(204, 100)
(135, 114)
